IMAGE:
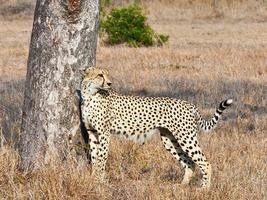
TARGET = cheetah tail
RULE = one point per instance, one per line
(210, 124)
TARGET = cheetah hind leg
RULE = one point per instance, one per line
(171, 144)
(196, 155)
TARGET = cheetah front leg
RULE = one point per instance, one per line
(103, 152)
(93, 145)
(99, 158)
(171, 144)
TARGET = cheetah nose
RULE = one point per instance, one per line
(109, 84)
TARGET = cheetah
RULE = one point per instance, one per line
(105, 112)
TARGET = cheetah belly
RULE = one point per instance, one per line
(139, 137)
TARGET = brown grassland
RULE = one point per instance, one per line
(212, 54)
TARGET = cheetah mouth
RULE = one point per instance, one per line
(105, 88)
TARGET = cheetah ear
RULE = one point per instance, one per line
(87, 70)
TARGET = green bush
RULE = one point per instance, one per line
(130, 25)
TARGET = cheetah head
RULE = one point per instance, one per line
(95, 80)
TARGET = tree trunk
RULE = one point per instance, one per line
(63, 42)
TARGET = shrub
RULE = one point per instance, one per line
(130, 25)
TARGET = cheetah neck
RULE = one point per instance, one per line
(88, 96)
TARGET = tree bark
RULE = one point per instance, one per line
(63, 42)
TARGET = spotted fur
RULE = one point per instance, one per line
(106, 112)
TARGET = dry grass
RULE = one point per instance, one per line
(147, 172)
(209, 57)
